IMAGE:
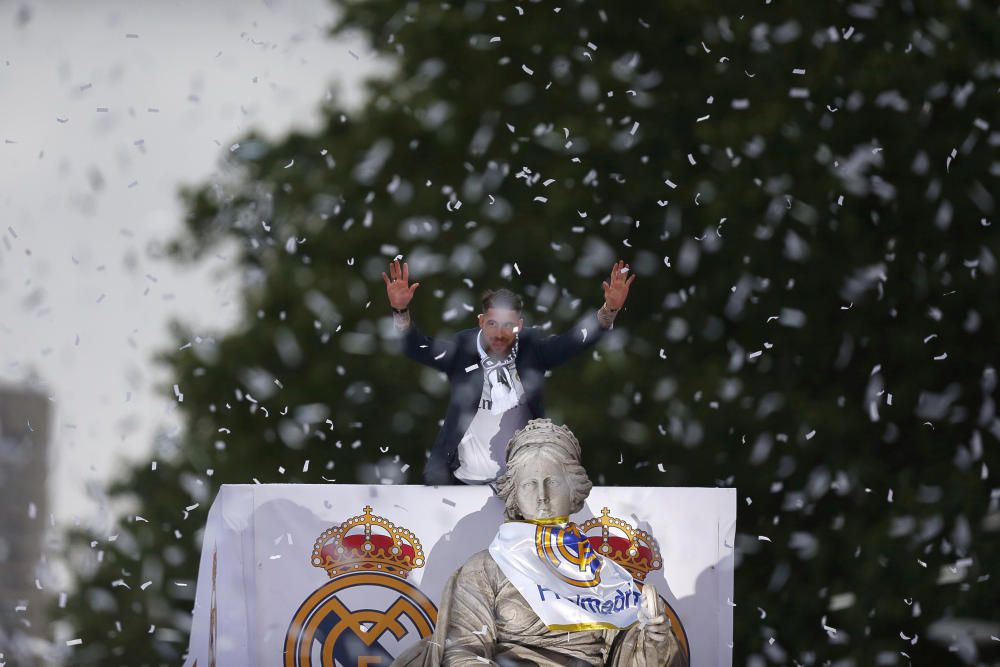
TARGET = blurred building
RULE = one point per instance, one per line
(24, 438)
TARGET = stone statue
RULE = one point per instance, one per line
(485, 616)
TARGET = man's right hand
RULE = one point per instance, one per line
(397, 285)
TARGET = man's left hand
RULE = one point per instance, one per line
(616, 287)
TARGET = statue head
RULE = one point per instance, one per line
(544, 478)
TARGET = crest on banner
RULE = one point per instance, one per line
(367, 613)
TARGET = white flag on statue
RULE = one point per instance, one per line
(565, 581)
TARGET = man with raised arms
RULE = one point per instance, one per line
(496, 371)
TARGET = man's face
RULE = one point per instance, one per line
(500, 327)
(543, 489)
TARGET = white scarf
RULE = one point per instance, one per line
(500, 375)
(568, 585)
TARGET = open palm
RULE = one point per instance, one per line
(616, 287)
(397, 285)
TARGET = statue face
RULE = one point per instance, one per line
(543, 489)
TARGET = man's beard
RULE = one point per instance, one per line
(500, 347)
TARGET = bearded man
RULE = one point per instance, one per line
(496, 371)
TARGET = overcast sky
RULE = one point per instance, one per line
(106, 108)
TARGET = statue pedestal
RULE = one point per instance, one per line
(278, 584)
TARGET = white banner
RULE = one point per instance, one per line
(564, 578)
(282, 581)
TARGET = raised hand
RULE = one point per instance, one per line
(397, 285)
(616, 287)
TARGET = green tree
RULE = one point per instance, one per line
(806, 194)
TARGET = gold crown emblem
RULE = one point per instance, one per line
(367, 543)
(634, 549)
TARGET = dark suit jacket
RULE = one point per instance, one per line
(458, 358)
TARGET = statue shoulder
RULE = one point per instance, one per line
(481, 567)
(481, 560)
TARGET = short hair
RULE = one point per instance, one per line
(576, 475)
(502, 298)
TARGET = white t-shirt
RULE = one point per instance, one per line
(482, 452)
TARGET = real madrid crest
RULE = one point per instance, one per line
(367, 613)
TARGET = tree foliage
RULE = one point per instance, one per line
(806, 192)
